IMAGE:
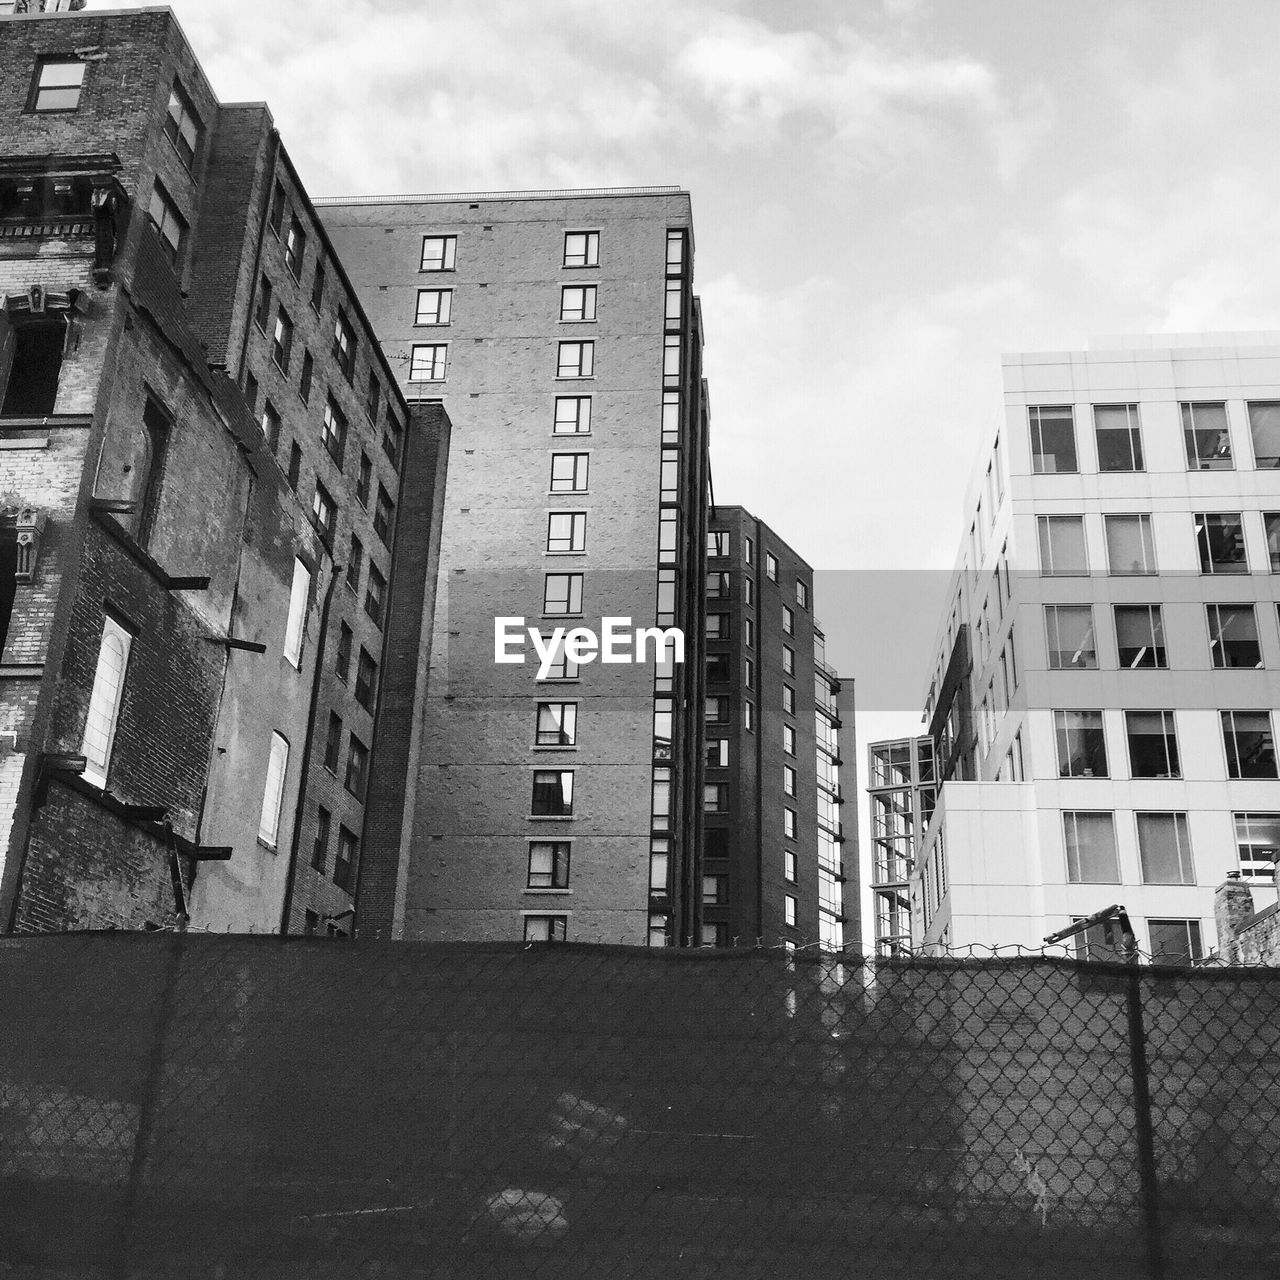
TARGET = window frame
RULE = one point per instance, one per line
(45, 61)
(590, 254)
(448, 253)
(106, 701)
(273, 791)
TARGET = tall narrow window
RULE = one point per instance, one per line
(295, 248)
(375, 594)
(392, 434)
(1118, 437)
(1220, 539)
(1062, 547)
(1140, 635)
(384, 512)
(324, 512)
(104, 700)
(344, 345)
(670, 417)
(282, 340)
(1153, 744)
(366, 689)
(1264, 426)
(355, 563)
(1131, 549)
(262, 312)
(671, 348)
(304, 383)
(296, 624)
(1082, 747)
(155, 426)
(1053, 439)
(170, 225)
(357, 767)
(364, 479)
(1208, 441)
(320, 845)
(182, 126)
(342, 654)
(345, 864)
(273, 791)
(1091, 848)
(333, 742)
(1164, 848)
(1233, 635)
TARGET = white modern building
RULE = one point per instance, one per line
(1107, 674)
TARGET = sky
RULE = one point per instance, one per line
(887, 195)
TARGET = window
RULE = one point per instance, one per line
(788, 621)
(364, 479)
(355, 562)
(1062, 549)
(1233, 635)
(333, 742)
(383, 515)
(717, 709)
(104, 700)
(170, 225)
(671, 416)
(572, 416)
(1053, 439)
(275, 218)
(357, 767)
(344, 345)
(719, 668)
(392, 433)
(671, 359)
(295, 465)
(1175, 941)
(717, 753)
(675, 252)
(578, 302)
(581, 248)
(788, 699)
(282, 341)
(304, 383)
(323, 512)
(790, 866)
(771, 566)
(434, 306)
(717, 543)
(263, 311)
(1204, 429)
(669, 476)
(569, 472)
(1164, 849)
(1140, 635)
(299, 595)
(546, 928)
(1091, 848)
(273, 791)
(57, 84)
(748, 673)
(557, 724)
(151, 469)
(1264, 426)
(717, 626)
(182, 125)
(295, 248)
(1220, 539)
(320, 845)
(1131, 549)
(373, 398)
(1258, 846)
(788, 780)
(749, 716)
(718, 585)
(562, 594)
(342, 656)
(344, 865)
(1118, 437)
(715, 797)
(749, 633)
(548, 864)
(802, 594)
(1271, 523)
(576, 360)
(1070, 635)
(789, 910)
(1153, 744)
(715, 890)
(1250, 747)
(567, 531)
(366, 680)
(439, 252)
(748, 591)
(562, 667)
(1082, 746)
(317, 287)
(428, 361)
(788, 740)
(674, 308)
(788, 660)
(375, 594)
(789, 823)
(552, 793)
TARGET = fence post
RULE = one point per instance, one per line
(1143, 1130)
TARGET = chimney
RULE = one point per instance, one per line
(1232, 907)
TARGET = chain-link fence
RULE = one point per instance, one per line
(203, 1106)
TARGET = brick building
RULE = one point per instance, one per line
(212, 489)
(775, 847)
(562, 332)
